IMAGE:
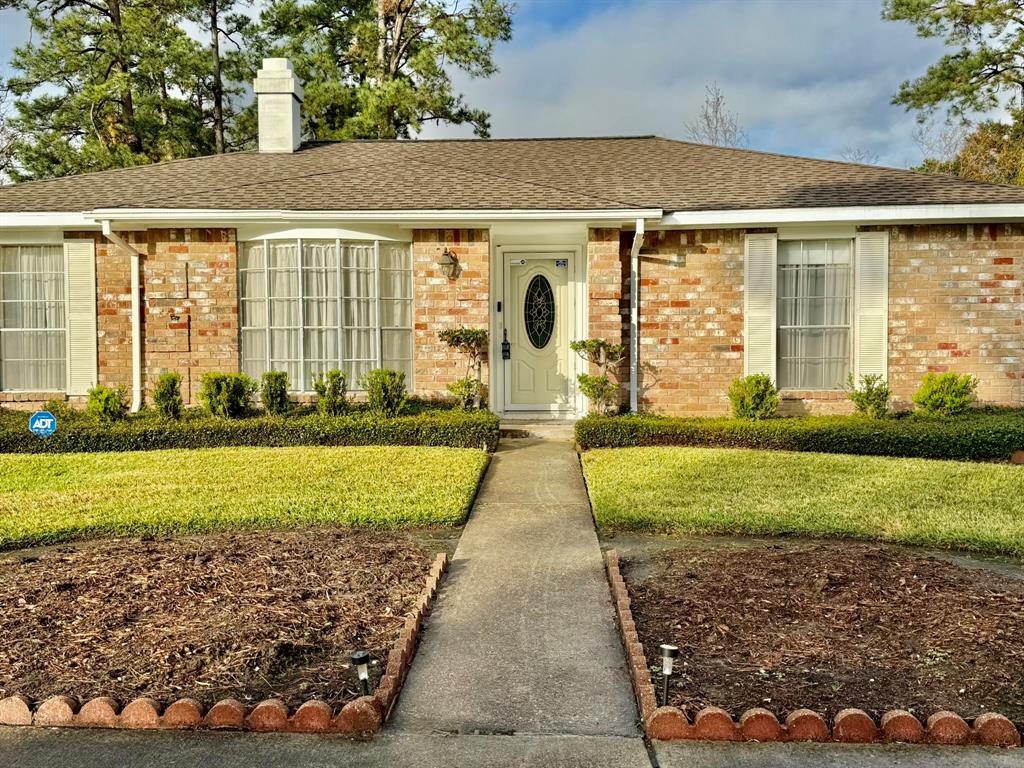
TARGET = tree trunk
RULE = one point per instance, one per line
(218, 80)
(127, 100)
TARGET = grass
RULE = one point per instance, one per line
(944, 504)
(48, 498)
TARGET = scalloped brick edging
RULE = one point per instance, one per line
(362, 717)
(853, 726)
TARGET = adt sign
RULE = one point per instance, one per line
(42, 423)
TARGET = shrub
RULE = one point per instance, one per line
(227, 394)
(167, 396)
(452, 428)
(107, 404)
(467, 392)
(871, 397)
(980, 436)
(61, 409)
(754, 397)
(600, 389)
(274, 392)
(946, 395)
(331, 388)
(473, 343)
(385, 392)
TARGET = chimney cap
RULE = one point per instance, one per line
(278, 76)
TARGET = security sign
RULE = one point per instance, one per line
(42, 423)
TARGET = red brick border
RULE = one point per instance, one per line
(361, 718)
(852, 726)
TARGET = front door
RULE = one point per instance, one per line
(537, 316)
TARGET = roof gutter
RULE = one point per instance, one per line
(634, 316)
(126, 247)
(861, 214)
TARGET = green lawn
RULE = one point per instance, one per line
(732, 491)
(46, 498)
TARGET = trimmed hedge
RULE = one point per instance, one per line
(983, 436)
(446, 428)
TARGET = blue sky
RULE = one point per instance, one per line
(808, 77)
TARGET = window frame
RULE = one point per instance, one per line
(304, 384)
(850, 299)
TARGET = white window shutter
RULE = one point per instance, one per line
(759, 305)
(871, 300)
(80, 297)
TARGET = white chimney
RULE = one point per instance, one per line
(279, 105)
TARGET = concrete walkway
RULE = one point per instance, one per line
(523, 638)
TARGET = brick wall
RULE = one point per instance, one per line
(955, 304)
(442, 303)
(608, 293)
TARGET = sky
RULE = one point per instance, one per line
(805, 77)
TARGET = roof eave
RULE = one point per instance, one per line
(860, 214)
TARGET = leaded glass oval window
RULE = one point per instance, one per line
(539, 311)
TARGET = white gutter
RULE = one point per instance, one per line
(119, 242)
(862, 214)
(634, 316)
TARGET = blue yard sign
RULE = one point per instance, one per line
(42, 423)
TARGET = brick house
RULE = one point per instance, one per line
(708, 262)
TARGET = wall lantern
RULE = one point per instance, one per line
(448, 263)
(668, 657)
(361, 661)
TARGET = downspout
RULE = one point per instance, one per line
(119, 242)
(634, 316)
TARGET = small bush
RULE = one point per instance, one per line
(107, 404)
(946, 395)
(467, 392)
(167, 396)
(754, 397)
(872, 396)
(601, 391)
(274, 392)
(331, 388)
(385, 392)
(472, 342)
(227, 394)
(61, 410)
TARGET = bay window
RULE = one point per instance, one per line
(310, 305)
(33, 327)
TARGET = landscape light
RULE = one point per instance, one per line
(361, 661)
(668, 657)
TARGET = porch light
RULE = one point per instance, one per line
(668, 657)
(361, 661)
(448, 263)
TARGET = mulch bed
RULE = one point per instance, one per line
(243, 615)
(830, 626)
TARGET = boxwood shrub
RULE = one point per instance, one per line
(982, 436)
(450, 428)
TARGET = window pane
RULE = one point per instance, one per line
(358, 256)
(254, 352)
(319, 283)
(284, 254)
(357, 284)
(396, 314)
(397, 347)
(254, 313)
(252, 285)
(251, 256)
(357, 313)
(320, 254)
(320, 312)
(32, 318)
(321, 345)
(395, 256)
(395, 285)
(360, 345)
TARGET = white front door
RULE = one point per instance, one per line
(537, 315)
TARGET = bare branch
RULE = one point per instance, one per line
(715, 124)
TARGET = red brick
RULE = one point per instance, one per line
(56, 711)
(807, 725)
(100, 712)
(312, 717)
(715, 724)
(141, 713)
(15, 710)
(854, 726)
(268, 715)
(900, 725)
(948, 728)
(667, 724)
(759, 724)
(361, 717)
(226, 714)
(184, 713)
(995, 730)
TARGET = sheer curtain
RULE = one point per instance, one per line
(32, 318)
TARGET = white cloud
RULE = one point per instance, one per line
(805, 77)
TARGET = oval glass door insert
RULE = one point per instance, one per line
(539, 311)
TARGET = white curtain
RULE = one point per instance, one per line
(32, 318)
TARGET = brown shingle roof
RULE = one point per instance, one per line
(585, 174)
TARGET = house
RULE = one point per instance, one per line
(306, 256)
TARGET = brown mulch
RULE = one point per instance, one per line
(246, 615)
(830, 626)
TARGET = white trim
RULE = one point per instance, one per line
(634, 316)
(31, 237)
(70, 220)
(887, 214)
(225, 216)
(817, 232)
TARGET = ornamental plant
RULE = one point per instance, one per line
(274, 392)
(106, 404)
(871, 397)
(600, 390)
(754, 397)
(385, 392)
(228, 395)
(946, 395)
(472, 342)
(167, 396)
(331, 388)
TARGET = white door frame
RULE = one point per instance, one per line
(501, 255)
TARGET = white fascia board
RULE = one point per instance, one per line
(866, 214)
(28, 219)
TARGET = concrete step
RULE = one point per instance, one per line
(548, 430)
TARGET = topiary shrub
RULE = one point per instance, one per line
(107, 404)
(274, 392)
(227, 394)
(467, 392)
(331, 388)
(167, 396)
(754, 397)
(600, 390)
(946, 395)
(385, 392)
(472, 342)
(872, 396)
